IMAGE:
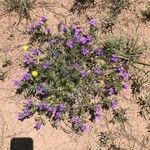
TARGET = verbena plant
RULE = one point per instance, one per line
(21, 7)
(72, 76)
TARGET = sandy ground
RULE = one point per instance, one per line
(132, 136)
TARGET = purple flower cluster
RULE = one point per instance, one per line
(46, 65)
(54, 112)
(61, 107)
(26, 110)
(59, 110)
(70, 43)
(99, 52)
(111, 91)
(75, 66)
(84, 127)
(85, 51)
(77, 122)
(35, 52)
(62, 28)
(27, 59)
(79, 37)
(83, 39)
(16, 84)
(38, 24)
(92, 22)
(28, 104)
(124, 74)
(97, 113)
(114, 58)
(120, 69)
(21, 116)
(38, 125)
(57, 116)
(26, 77)
(76, 30)
(97, 71)
(83, 73)
(125, 86)
(43, 106)
(114, 104)
(41, 90)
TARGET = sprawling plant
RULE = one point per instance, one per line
(72, 76)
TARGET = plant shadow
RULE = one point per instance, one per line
(80, 6)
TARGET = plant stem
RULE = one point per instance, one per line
(134, 61)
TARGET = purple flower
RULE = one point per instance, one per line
(61, 107)
(120, 69)
(37, 125)
(37, 24)
(29, 104)
(42, 90)
(85, 51)
(43, 106)
(75, 66)
(26, 112)
(114, 58)
(114, 104)
(99, 52)
(63, 28)
(125, 75)
(88, 39)
(26, 77)
(57, 116)
(69, 43)
(84, 127)
(46, 65)
(92, 22)
(21, 116)
(83, 73)
(98, 108)
(34, 62)
(125, 86)
(111, 91)
(98, 117)
(35, 52)
(50, 110)
(76, 30)
(75, 120)
(27, 59)
(82, 39)
(16, 84)
(74, 27)
(43, 18)
(97, 71)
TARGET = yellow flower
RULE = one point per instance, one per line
(34, 73)
(25, 47)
